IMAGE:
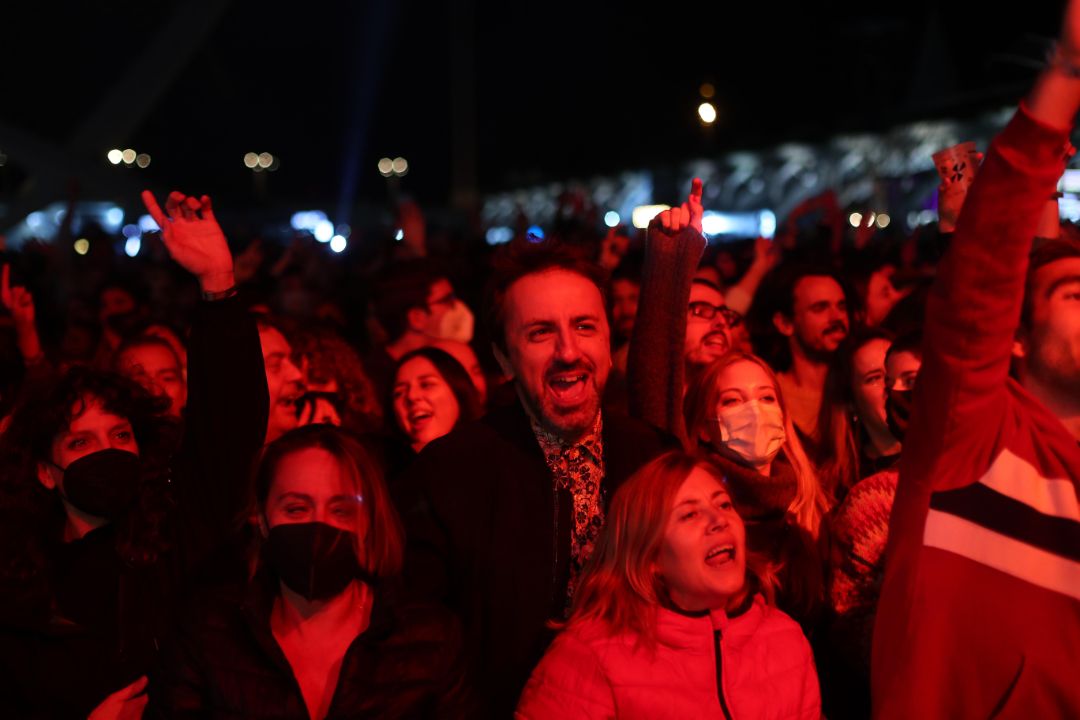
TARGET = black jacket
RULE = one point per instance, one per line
(488, 536)
(96, 621)
(225, 663)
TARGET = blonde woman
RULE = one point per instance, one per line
(735, 414)
(672, 618)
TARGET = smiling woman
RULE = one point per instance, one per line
(672, 617)
(431, 393)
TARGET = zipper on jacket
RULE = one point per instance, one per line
(720, 674)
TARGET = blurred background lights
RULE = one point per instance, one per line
(611, 218)
(707, 112)
(498, 235)
(386, 167)
(147, 224)
(116, 156)
(855, 219)
(643, 214)
(307, 220)
(132, 246)
(251, 160)
(883, 220)
(400, 166)
(265, 160)
(82, 246)
(324, 231)
(142, 160)
(129, 156)
(337, 243)
(114, 216)
(399, 235)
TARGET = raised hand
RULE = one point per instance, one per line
(766, 254)
(194, 239)
(20, 303)
(124, 704)
(18, 300)
(674, 220)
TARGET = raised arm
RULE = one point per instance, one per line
(655, 370)
(228, 401)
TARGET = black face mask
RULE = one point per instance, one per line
(104, 484)
(898, 412)
(314, 560)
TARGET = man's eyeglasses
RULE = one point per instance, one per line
(708, 311)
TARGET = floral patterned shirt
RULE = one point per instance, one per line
(580, 468)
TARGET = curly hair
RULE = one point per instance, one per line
(33, 517)
(330, 358)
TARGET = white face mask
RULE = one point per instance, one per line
(752, 430)
(456, 323)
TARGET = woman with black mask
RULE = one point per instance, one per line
(317, 631)
(102, 525)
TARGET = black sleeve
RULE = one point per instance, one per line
(227, 411)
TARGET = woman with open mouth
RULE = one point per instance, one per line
(431, 393)
(736, 416)
(673, 617)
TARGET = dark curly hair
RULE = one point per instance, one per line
(329, 357)
(33, 517)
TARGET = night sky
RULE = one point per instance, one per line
(562, 89)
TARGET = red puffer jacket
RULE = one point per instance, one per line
(755, 665)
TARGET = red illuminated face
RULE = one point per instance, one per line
(703, 556)
(558, 348)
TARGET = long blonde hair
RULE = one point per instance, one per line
(810, 504)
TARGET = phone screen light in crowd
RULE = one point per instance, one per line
(338, 244)
(766, 223)
(307, 220)
(399, 235)
(324, 231)
(142, 160)
(498, 235)
(114, 216)
(82, 246)
(115, 156)
(147, 224)
(132, 246)
(386, 167)
(642, 215)
(611, 218)
(131, 231)
(707, 112)
(883, 220)
(855, 219)
(534, 234)
(251, 160)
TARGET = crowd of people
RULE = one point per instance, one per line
(649, 477)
